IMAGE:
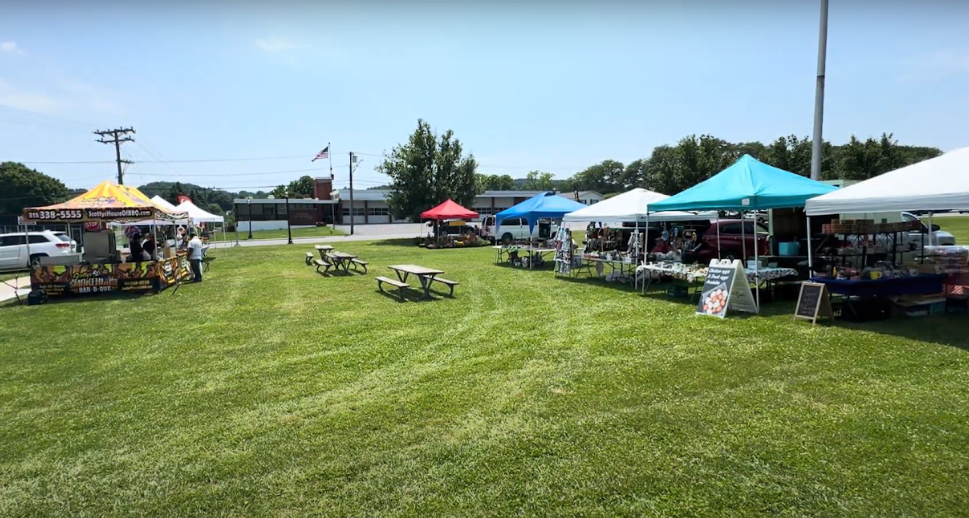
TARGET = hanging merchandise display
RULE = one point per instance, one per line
(563, 251)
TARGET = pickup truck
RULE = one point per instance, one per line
(937, 237)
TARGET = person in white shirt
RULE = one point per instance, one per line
(195, 256)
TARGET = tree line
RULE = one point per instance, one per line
(671, 169)
(430, 168)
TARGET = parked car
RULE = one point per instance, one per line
(14, 250)
(938, 237)
(730, 243)
(516, 229)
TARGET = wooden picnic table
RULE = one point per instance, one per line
(323, 249)
(425, 275)
(341, 260)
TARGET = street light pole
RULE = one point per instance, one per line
(819, 94)
(289, 230)
(249, 206)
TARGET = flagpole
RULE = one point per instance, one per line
(329, 154)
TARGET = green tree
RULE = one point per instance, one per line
(428, 170)
(23, 187)
(215, 208)
(538, 181)
(604, 177)
(303, 187)
(501, 183)
(279, 191)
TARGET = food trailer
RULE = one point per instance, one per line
(101, 268)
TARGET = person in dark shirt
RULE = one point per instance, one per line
(137, 252)
(149, 246)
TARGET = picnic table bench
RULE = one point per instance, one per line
(450, 284)
(400, 285)
(357, 262)
(309, 258)
(425, 275)
(320, 263)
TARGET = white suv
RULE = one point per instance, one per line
(13, 248)
(516, 229)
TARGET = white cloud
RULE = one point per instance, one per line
(35, 102)
(278, 45)
(10, 47)
(63, 95)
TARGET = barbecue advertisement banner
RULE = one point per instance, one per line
(59, 281)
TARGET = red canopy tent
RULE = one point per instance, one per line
(448, 210)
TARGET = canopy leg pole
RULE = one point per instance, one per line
(719, 255)
(756, 267)
(810, 254)
(931, 234)
(743, 236)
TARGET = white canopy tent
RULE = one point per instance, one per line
(633, 206)
(198, 215)
(941, 183)
(159, 202)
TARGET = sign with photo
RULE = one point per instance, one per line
(725, 287)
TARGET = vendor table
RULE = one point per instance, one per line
(341, 260)
(83, 279)
(425, 275)
(857, 292)
(698, 275)
(615, 265)
(502, 251)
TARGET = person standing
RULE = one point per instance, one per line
(136, 253)
(195, 256)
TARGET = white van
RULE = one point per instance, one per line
(516, 229)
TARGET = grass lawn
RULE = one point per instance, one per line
(958, 226)
(270, 390)
(280, 234)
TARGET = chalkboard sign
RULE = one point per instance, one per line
(813, 302)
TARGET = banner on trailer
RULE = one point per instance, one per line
(58, 281)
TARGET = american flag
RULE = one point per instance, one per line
(322, 154)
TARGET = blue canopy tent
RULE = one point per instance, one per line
(748, 184)
(544, 205)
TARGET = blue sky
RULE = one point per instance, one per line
(523, 85)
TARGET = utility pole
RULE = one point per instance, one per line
(353, 159)
(289, 230)
(118, 136)
(819, 94)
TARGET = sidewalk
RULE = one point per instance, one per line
(7, 288)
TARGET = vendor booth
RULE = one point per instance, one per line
(450, 228)
(622, 244)
(541, 209)
(101, 268)
(929, 279)
(747, 185)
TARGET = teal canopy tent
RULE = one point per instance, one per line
(748, 184)
(544, 205)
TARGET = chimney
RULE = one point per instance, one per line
(322, 188)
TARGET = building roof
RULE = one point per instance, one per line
(243, 201)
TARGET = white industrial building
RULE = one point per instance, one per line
(369, 207)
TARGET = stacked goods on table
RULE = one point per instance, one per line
(954, 261)
(867, 226)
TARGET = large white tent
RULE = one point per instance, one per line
(198, 215)
(941, 183)
(632, 206)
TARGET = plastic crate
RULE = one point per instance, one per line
(926, 310)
